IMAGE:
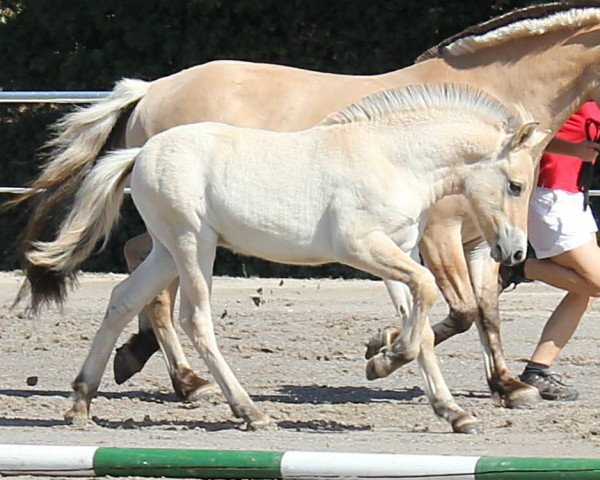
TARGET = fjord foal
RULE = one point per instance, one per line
(354, 189)
(544, 57)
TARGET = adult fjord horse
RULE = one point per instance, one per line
(353, 189)
(544, 57)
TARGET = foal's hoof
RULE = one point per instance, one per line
(77, 415)
(263, 422)
(466, 425)
(378, 367)
(523, 397)
(381, 341)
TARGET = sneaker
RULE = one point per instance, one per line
(514, 274)
(549, 385)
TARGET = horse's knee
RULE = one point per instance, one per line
(424, 287)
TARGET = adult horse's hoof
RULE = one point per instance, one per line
(131, 357)
(525, 396)
(378, 367)
(203, 392)
(466, 424)
(381, 341)
(189, 387)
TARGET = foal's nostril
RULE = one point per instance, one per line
(519, 256)
(497, 253)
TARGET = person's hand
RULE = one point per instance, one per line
(587, 150)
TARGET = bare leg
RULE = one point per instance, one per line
(583, 280)
(579, 270)
(560, 327)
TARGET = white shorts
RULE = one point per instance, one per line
(558, 223)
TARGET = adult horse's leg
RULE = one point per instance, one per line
(126, 299)
(506, 389)
(156, 330)
(413, 291)
(131, 357)
(195, 261)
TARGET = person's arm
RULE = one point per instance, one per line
(586, 150)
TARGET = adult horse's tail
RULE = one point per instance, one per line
(80, 138)
(51, 266)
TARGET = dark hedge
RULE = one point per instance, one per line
(88, 45)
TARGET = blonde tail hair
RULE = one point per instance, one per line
(52, 265)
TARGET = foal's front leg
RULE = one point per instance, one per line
(379, 255)
(442, 249)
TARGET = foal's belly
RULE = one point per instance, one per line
(304, 245)
(295, 250)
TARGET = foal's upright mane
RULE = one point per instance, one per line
(521, 23)
(385, 106)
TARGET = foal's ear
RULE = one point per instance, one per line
(523, 134)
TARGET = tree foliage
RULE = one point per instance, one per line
(88, 45)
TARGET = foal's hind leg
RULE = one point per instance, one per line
(195, 260)
(506, 389)
(126, 299)
(156, 330)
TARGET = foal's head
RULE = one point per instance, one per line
(460, 134)
(499, 189)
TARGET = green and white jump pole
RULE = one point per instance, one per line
(185, 463)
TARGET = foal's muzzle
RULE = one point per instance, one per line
(510, 246)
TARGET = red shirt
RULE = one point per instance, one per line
(560, 172)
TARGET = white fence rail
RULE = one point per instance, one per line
(51, 97)
(74, 97)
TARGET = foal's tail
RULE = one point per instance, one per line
(51, 266)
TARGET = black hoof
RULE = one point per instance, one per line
(133, 355)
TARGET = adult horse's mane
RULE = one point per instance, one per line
(381, 107)
(524, 22)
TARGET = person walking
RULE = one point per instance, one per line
(562, 233)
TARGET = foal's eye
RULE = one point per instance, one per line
(515, 188)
